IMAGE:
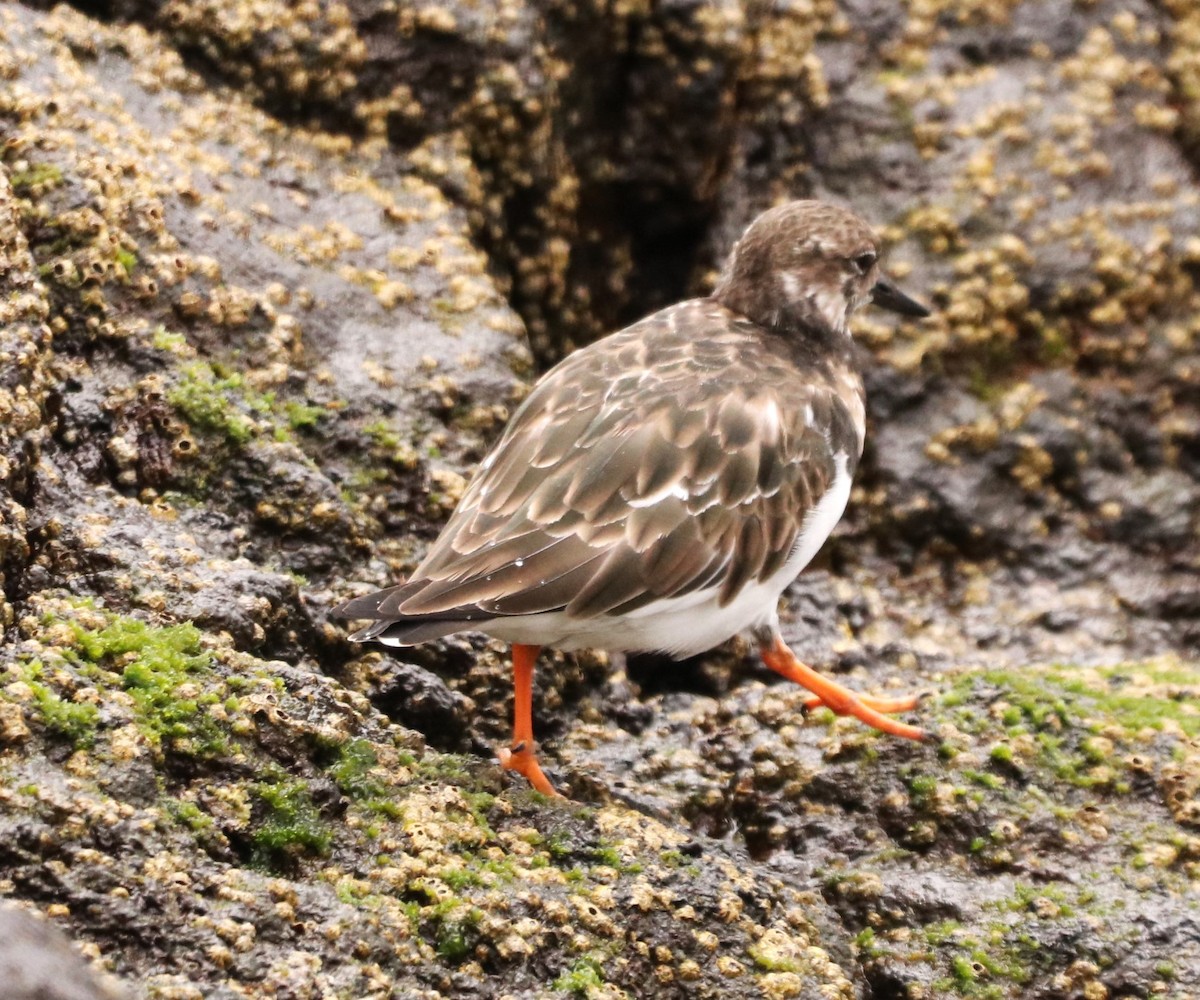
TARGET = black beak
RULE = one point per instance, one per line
(888, 296)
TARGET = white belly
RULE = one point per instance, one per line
(687, 625)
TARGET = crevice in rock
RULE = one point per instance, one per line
(643, 151)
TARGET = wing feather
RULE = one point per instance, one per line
(633, 473)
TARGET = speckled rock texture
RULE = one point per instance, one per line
(273, 276)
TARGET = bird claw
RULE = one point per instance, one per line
(507, 755)
(520, 757)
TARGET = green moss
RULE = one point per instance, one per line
(1052, 697)
(73, 721)
(291, 825)
(354, 892)
(302, 416)
(503, 868)
(354, 773)
(771, 963)
(1034, 706)
(382, 433)
(127, 259)
(460, 878)
(1025, 896)
(38, 174)
(868, 945)
(166, 340)
(479, 804)
(1143, 710)
(941, 931)
(584, 976)
(160, 668)
(960, 968)
(190, 815)
(1001, 753)
(981, 970)
(983, 778)
(444, 768)
(1060, 712)
(455, 929)
(560, 845)
(921, 789)
(213, 405)
(352, 770)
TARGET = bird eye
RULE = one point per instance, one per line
(864, 262)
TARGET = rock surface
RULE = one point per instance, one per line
(268, 272)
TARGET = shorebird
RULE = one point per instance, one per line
(659, 489)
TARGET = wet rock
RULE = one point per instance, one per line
(420, 700)
(261, 611)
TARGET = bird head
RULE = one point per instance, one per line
(807, 265)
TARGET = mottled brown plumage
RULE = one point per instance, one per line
(660, 488)
(640, 471)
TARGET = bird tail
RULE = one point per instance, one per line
(410, 631)
(392, 628)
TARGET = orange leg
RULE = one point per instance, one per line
(843, 701)
(522, 756)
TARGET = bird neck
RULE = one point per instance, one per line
(807, 329)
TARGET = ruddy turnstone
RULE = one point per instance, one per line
(660, 488)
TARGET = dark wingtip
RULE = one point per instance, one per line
(888, 296)
(358, 607)
(371, 632)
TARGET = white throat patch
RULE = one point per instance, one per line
(830, 305)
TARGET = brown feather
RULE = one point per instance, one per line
(645, 525)
(601, 434)
(616, 580)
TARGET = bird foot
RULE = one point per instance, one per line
(841, 700)
(520, 757)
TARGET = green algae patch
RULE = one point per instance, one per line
(583, 977)
(224, 405)
(1081, 738)
(302, 416)
(215, 405)
(290, 826)
(1068, 723)
(456, 929)
(169, 341)
(159, 668)
(1156, 694)
(1096, 762)
(356, 772)
(190, 815)
(35, 179)
(73, 721)
(127, 259)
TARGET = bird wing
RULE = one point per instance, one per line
(650, 465)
